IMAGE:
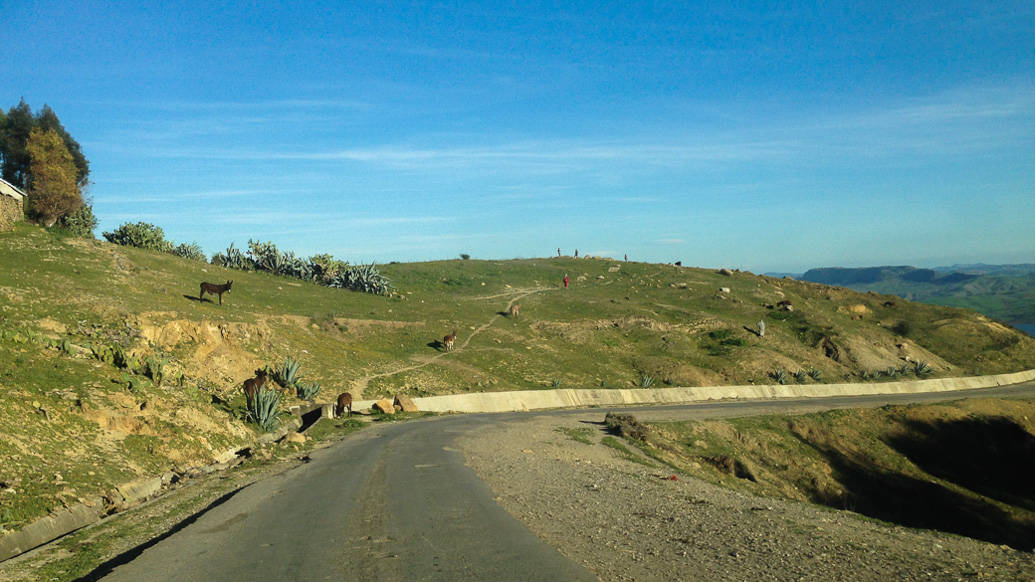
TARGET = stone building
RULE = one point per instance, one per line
(11, 201)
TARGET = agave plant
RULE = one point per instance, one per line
(646, 381)
(814, 373)
(800, 376)
(307, 390)
(362, 278)
(922, 368)
(780, 376)
(287, 375)
(190, 251)
(297, 267)
(233, 258)
(263, 410)
(266, 256)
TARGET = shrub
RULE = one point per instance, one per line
(142, 235)
(81, 222)
(233, 258)
(266, 257)
(814, 373)
(902, 328)
(626, 425)
(154, 368)
(307, 390)
(465, 256)
(190, 251)
(297, 267)
(325, 268)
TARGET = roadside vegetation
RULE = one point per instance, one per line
(963, 467)
(111, 368)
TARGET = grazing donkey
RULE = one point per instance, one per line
(215, 290)
(344, 402)
(252, 385)
(515, 310)
(449, 340)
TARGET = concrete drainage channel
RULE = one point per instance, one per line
(133, 493)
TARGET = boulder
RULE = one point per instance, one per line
(294, 437)
(724, 289)
(726, 272)
(405, 403)
(385, 406)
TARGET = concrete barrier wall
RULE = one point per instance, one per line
(525, 400)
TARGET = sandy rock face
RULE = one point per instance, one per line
(385, 405)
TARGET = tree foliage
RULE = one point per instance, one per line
(15, 128)
(52, 186)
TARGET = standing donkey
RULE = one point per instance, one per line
(449, 340)
(215, 290)
(344, 403)
(515, 309)
(252, 385)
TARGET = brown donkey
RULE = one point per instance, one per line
(515, 310)
(252, 385)
(449, 340)
(215, 290)
(344, 402)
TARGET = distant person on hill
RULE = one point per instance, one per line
(558, 251)
(566, 280)
(576, 253)
(627, 258)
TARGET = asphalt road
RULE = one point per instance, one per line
(396, 502)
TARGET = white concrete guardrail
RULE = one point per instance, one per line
(526, 400)
(67, 520)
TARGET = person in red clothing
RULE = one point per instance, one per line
(566, 280)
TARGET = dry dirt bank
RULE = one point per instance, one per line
(626, 521)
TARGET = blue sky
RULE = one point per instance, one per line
(761, 136)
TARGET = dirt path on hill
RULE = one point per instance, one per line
(359, 385)
(626, 521)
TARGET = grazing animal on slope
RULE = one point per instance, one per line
(344, 403)
(215, 290)
(515, 310)
(449, 340)
(252, 385)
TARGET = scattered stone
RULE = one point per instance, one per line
(385, 406)
(405, 403)
(295, 437)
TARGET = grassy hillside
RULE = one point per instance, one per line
(963, 467)
(1005, 292)
(74, 425)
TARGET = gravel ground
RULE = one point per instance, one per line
(625, 521)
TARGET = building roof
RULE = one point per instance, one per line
(11, 190)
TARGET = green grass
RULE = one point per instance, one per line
(59, 296)
(580, 434)
(624, 451)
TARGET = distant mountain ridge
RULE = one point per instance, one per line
(1005, 292)
(844, 277)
